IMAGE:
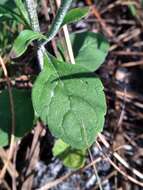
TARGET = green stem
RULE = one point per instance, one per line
(31, 9)
(65, 4)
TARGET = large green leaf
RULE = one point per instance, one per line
(90, 49)
(72, 158)
(71, 101)
(24, 114)
(75, 15)
(23, 40)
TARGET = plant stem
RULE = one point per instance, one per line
(65, 4)
(67, 38)
(31, 9)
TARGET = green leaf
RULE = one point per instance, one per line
(4, 2)
(133, 10)
(24, 114)
(142, 3)
(70, 157)
(23, 40)
(8, 10)
(90, 49)
(23, 12)
(71, 101)
(75, 15)
(4, 138)
(10, 14)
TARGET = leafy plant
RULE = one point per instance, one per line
(14, 10)
(69, 99)
(11, 15)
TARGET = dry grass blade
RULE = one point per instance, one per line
(119, 2)
(67, 39)
(122, 161)
(33, 157)
(11, 149)
(132, 64)
(55, 183)
(11, 169)
(65, 177)
(101, 21)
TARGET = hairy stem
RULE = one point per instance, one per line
(65, 4)
(31, 9)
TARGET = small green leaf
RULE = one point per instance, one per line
(24, 114)
(10, 14)
(22, 42)
(90, 49)
(142, 3)
(72, 158)
(75, 15)
(71, 101)
(23, 12)
(133, 10)
(8, 10)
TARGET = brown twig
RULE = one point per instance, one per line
(98, 16)
(122, 161)
(14, 182)
(33, 157)
(11, 169)
(105, 179)
(132, 63)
